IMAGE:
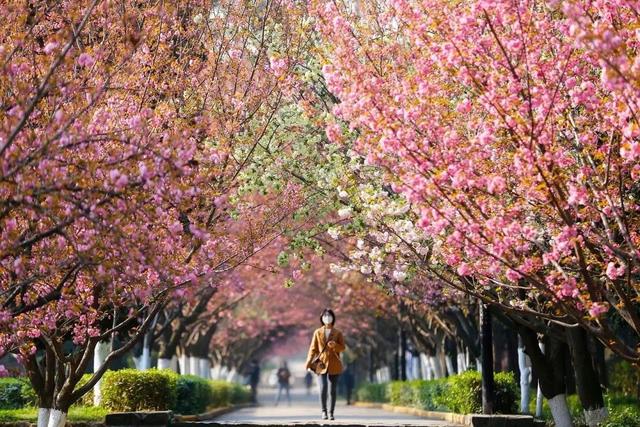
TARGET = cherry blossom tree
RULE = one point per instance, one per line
(472, 180)
(125, 131)
(510, 129)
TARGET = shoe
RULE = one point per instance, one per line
(331, 417)
(324, 415)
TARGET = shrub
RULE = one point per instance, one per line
(625, 417)
(240, 393)
(221, 393)
(507, 393)
(133, 390)
(464, 393)
(400, 393)
(426, 394)
(625, 379)
(11, 393)
(87, 399)
(193, 395)
(16, 393)
(29, 395)
(370, 392)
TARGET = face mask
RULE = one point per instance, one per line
(327, 319)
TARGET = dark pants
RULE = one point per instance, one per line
(333, 384)
(349, 390)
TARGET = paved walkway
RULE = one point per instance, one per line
(306, 410)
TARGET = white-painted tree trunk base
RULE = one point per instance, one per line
(57, 418)
(205, 368)
(194, 366)
(594, 417)
(539, 395)
(43, 417)
(222, 375)
(462, 366)
(232, 375)
(560, 411)
(449, 363)
(525, 395)
(436, 367)
(145, 359)
(183, 361)
(426, 363)
(215, 372)
(414, 370)
(525, 381)
(100, 353)
(539, 403)
(164, 363)
(136, 362)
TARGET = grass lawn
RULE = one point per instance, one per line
(75, 414)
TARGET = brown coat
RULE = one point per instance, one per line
(330, 357)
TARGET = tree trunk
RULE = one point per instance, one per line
(145, 358)
(43, 417)
(403, 355)
(587, 380)
(372, 371)
(560, 410)
(232, 375)
(57, 418)
(171, 363)
(426, 367)
(99, 356)
(486, 350)
(449, 363)
(539, 401)
(164, 363)
(550, 370)
(525, 378)
(461, 360)
(183, 361)
(194, 365)
(205, 368)
(436, 367)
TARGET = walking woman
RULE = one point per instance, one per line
(324, 359)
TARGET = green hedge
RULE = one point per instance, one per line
(133, 390)
(371, 392)
(239, 393)
(624, 378)
(457, 393)
(623, 417)
(16, 393)
(400, 393)
(464, 393)
(426, 393)
(193, 394)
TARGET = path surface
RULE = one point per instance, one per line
(306, 410)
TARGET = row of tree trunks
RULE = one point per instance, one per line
(565, 367)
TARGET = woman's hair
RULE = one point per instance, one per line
(328, 311)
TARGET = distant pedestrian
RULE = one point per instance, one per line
(283, 382)
(349, 383)
(254, 379)
(308, 382)
(324, 359)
